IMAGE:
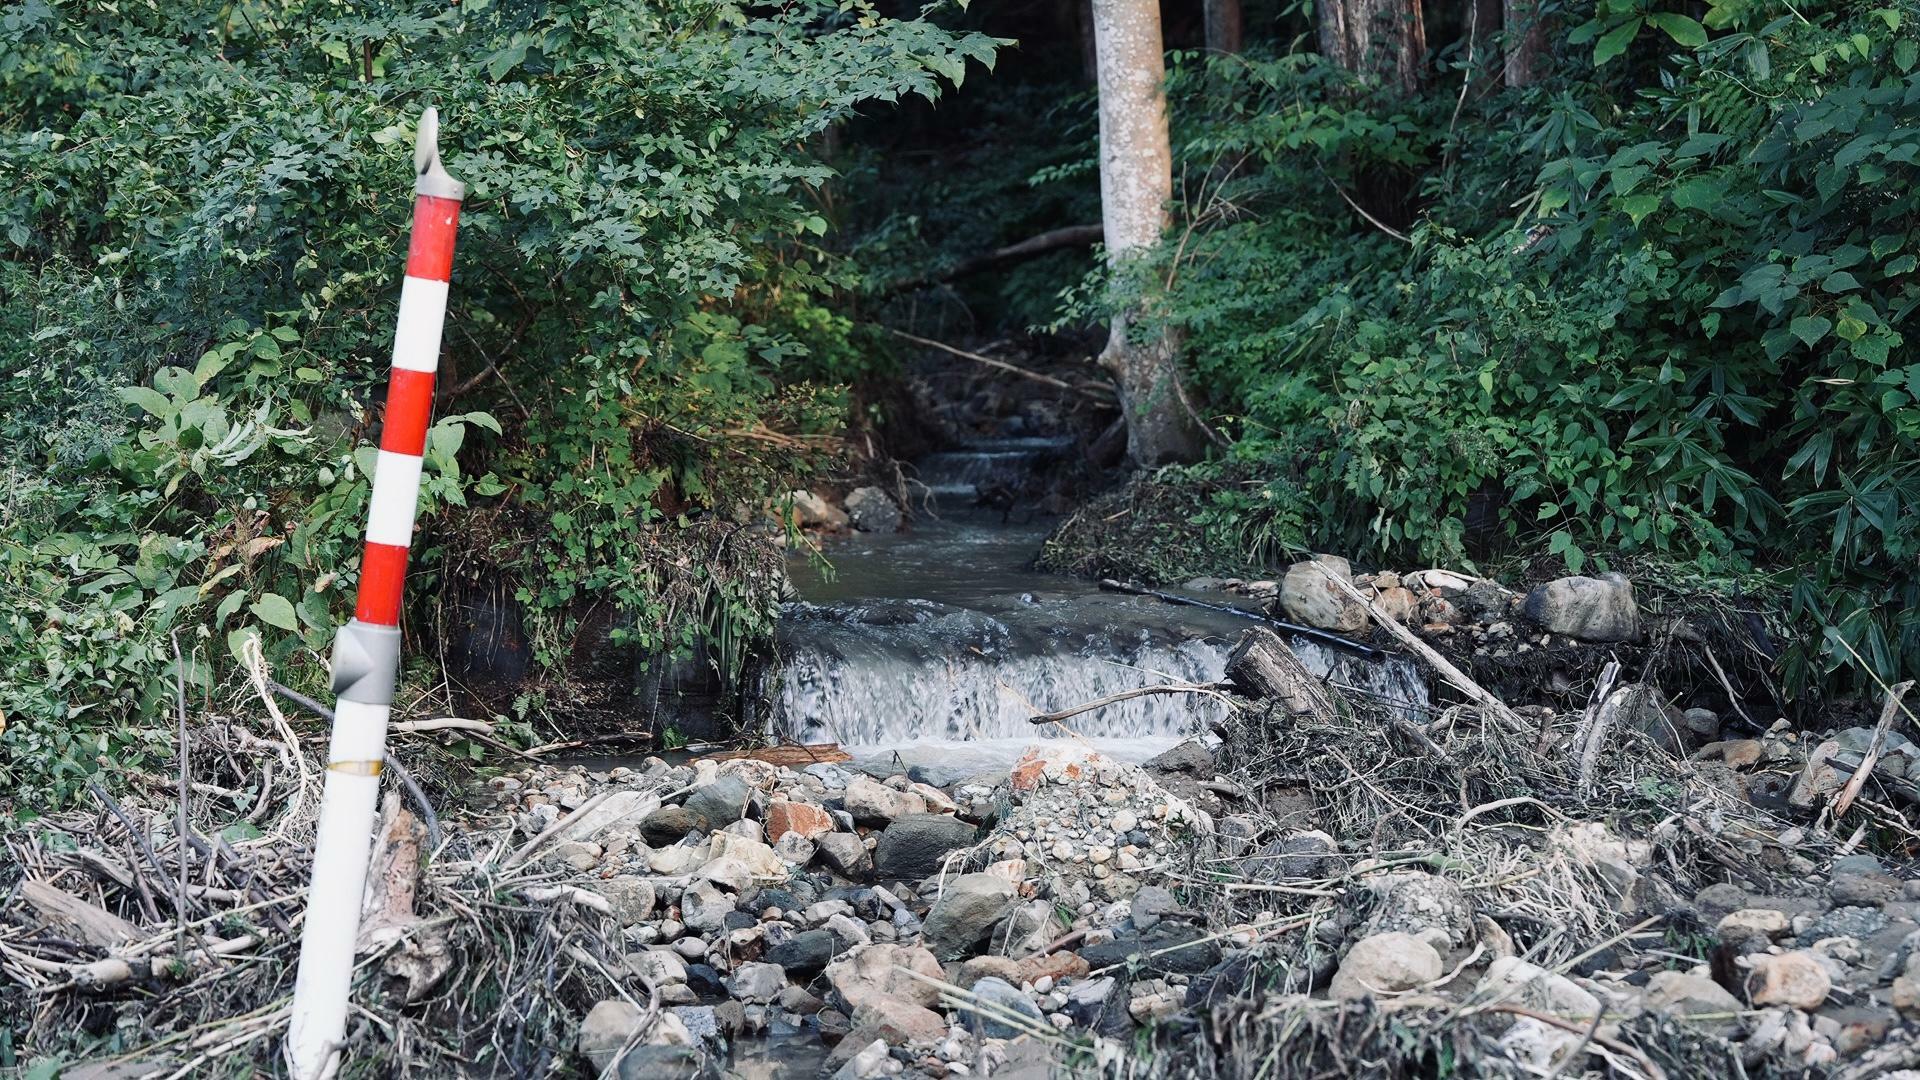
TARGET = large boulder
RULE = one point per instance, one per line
(718, 804)
(607, 1028)
(1386, 963)
(814, 511)
(1306, 596)
(1513, 980)
(1686, 995)
(916, 845)
(874, 803)
(804, 820)
(1589, 609)
(966, 912)
(873, 510)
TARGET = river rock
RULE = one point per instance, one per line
(1688, 995)
(1151, 904)
(999, 994)
(704, 907)
(657, 967)
(806, 952)
(1167, 949)
(1589, 609)
(879, 972)
(761, 862)
(805, 820)
(1753, 924)
(718, 804)
(967, 910)
(1296, 856)
(872, 1061)
(632, 898)
(814, 511)
(1387, 962)
(915, 846)
(607, 1027)
(1099, 1005)
(757, 983)
(874, 803)
(1796, 979)
(873, 510)
(1413, 903)
(667, 825)
(1308, 597)
(659, 1063)
(1513, 980)
(844, 854)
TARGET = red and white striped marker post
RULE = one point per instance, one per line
(366, 651)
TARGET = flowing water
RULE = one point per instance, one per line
(939, 643)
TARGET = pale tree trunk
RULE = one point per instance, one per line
(1224, 33)
(1382, 41)
(1136, 184)
(1526, 40)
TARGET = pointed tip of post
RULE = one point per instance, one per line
(430, 176)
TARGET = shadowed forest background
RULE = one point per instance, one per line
(1608, 285)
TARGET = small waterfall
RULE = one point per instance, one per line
(1009, 462)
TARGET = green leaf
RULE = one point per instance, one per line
(241, 830)
(1905, 54)
(151, 401)
(1638, 207)
(1682, 29)
(1615, 41)
(1811, 328)
(275, 610)
(1840, 282)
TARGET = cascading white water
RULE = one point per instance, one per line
(943, 642)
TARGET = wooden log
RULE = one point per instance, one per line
(790, 755)
(93, 925)
(1264, 668)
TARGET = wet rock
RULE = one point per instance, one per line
(966, 912)
(1859, 923)
(1387, 962)
(1190, 758)
(1294, 857)
(1795, 979)
(806, 952)
(1187, 951)
(757, 983)
(844, 854)
(915, 846)
(1306, 596)
(667, 825)
(898, 1022)
(1099, 1005)
(872, 1061)
(1589, 609)
(805, 820)
(872, 510)
(657, 967)
(1511, 979)
(998, 994)
(659, 1063)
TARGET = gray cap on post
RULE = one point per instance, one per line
(430, 176)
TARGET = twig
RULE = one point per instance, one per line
(1214, 689)
(1844, 801)
(1653, 1071)
(550, 831)
(1441, 664)
(1727, 684)
(991, 362)
(442, 723)
(1592, 734)
(139, 838)
(180, 818)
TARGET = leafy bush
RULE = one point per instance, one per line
(201, 213)
(1686, 336)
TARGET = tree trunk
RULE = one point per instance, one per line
(1485, 69)
(1382, 41)
(1136, 183)
(1526, 40)
(1224, 33)
(1089, 55)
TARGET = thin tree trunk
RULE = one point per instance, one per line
(1224, 32)
(1487, 19)
(1526, 41)
(1382, 41)
(1136, 184)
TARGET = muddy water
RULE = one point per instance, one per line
(939, 643)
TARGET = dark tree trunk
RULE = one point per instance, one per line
(1224, 32)
(1526, 41)
(1382, 41)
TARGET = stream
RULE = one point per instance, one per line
(938, 643)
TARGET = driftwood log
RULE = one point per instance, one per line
(1262, 667)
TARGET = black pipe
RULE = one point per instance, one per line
(1334, 641)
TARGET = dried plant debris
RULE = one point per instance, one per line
(1327, 885)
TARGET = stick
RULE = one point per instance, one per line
(550, 831)
(1474, 691)
(992, 363)
(1127, 695)
(1652, 1070)
(1591, 734)
(442, 723)
(1844, 801)
(180, 824)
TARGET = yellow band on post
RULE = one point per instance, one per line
(355, 768)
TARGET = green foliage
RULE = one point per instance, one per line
(1691, 343)
(202, 209)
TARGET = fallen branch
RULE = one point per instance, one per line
(1592, 733)
(1474, 691)
(1001, 365)
(442, 723)
(1071, 236)
(553, 830)
(1844, 801)
(1215, 689)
